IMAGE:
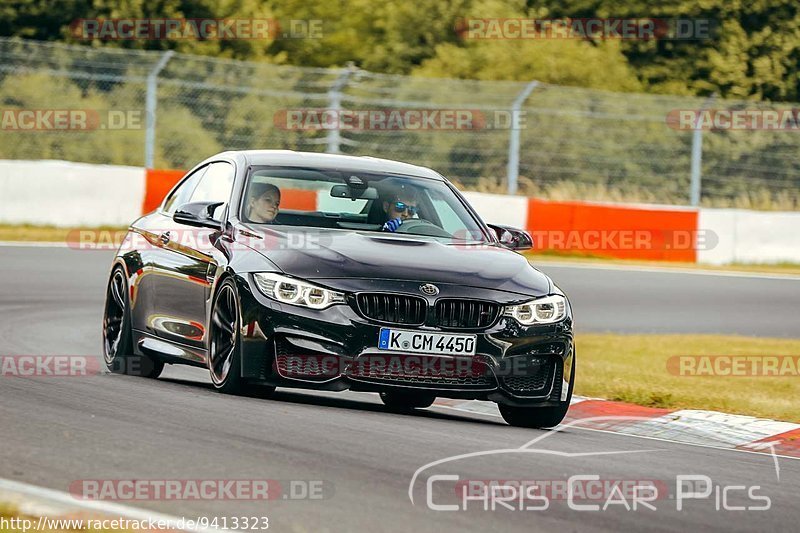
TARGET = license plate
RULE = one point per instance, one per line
(396, 340)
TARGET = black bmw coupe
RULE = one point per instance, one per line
(329, 272)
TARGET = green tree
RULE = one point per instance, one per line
(752, 51)
(573, 63)
(388, 36)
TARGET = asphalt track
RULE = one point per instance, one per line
(55, 431)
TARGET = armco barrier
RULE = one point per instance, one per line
(61, 193)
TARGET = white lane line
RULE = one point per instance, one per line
(16, 488)
(666, 270)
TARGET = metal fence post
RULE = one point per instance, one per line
(150, 109)
(334, 137)
(512, 171)
(697, 157)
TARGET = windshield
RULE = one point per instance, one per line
(341, 199)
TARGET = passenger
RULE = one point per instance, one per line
(401, 206)
(265, 199)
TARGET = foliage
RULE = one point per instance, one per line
(753, 51)
(181, 131)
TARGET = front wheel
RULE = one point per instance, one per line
(406, 402)
(224, 354)
(533, 417)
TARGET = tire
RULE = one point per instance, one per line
(406, 402)
(224, 351)
(225, 345)
(533, 417)
(229, 381)
(539, 417)
(118, 351)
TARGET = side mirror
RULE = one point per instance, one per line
(513, 238)
(198, 214)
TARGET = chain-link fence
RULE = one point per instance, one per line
(170, 111)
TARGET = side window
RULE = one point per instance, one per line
(181, 195)
(215, 186)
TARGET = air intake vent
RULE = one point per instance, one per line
(466, 314)
(392, 308)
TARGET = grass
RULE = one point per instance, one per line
(633, 368)
(27, 232)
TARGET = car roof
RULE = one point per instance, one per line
(316, 159)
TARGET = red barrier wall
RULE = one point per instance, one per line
(156, 186)
(298, 199)
(623, 232)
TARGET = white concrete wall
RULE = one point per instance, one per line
(61, 193)
(749, 236)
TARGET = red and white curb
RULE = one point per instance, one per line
(690, 426)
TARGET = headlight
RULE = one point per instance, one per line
(293, 291)
(540, 311)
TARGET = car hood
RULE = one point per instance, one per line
(349, 254)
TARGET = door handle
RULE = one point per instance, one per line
(164, 237)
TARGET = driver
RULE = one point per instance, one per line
(265, 198)
(401, 206)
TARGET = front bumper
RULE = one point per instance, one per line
(336, 349)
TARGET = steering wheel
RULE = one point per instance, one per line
(420, 226)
